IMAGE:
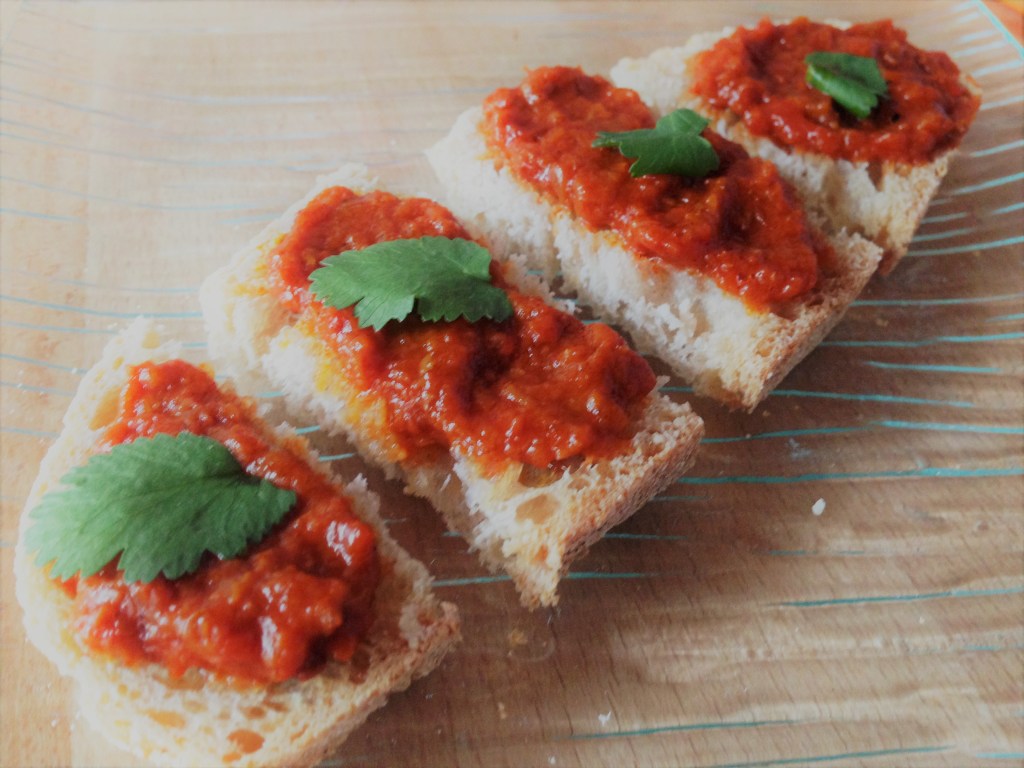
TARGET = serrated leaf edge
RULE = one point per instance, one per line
(474, 267)
(682, 122)
(74, 482)
(818, 73)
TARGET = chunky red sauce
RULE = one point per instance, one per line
(740, 225)
(760, 74)
(299, 598)
(540, 388)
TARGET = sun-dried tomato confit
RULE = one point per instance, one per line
(741, 225)
(759, 74)
(541, 388)
(301, 597)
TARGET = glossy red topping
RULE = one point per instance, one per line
(301, 597)
(740, 226)
(759, 74)
(540, 388)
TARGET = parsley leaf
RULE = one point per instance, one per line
(160, 503)
(442, 277)
(674, 145)
(855, 82)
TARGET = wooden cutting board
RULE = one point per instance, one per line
(726, 623)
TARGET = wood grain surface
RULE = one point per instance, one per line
(724, 624)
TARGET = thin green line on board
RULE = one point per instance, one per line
(654, 730)
(783, 433)
(833, 758)
(336, 457)
(1009, 208)
(1003, 103)
(935, 302)
(943, 235)
(1007, 35)
(1000, 755)
(988, 184)
(993, 68)
(980, 35)
(600, 575)
(975, 49)
(927, 368)
(572, 576)
(43, 216)
(470, 580)
(101, 312)
(22, 387)
(950, 593)
(996, 150)
(968, 248)
(926, 472)
(41, 363)
(939, 427)
(870, 397)
(127, 202)
(913, 343)
(944, 217)
(57, 328)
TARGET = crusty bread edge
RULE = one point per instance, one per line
(709, 337)
(883, 201)
(188, 720)
(245, 326)
(530, 532)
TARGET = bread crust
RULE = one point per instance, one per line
(527, 528)
(198, 719)
(883, 201)
(709, 337)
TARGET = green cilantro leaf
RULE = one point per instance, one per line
(674, 145)
(855, 82)
(160, 503)
(442, 277)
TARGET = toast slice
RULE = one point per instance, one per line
(882, 200)
(709, 337)
(198, 718)
(530, 523)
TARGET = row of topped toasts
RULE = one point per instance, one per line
(696, 202)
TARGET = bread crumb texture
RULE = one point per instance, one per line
(527, 524)
(708, 337)
(881, 201)
(196, 719)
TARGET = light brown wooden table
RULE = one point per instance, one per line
(725, 624)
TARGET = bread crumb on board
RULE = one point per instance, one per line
(516, 637)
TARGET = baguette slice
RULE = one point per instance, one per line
(883, 201)
(709, 337)
(197, 719)
(530, 525)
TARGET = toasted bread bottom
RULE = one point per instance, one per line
(197, 719)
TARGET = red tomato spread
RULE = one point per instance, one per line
(760, 74)
(740, 225)
(540, 388)
(299, 598)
